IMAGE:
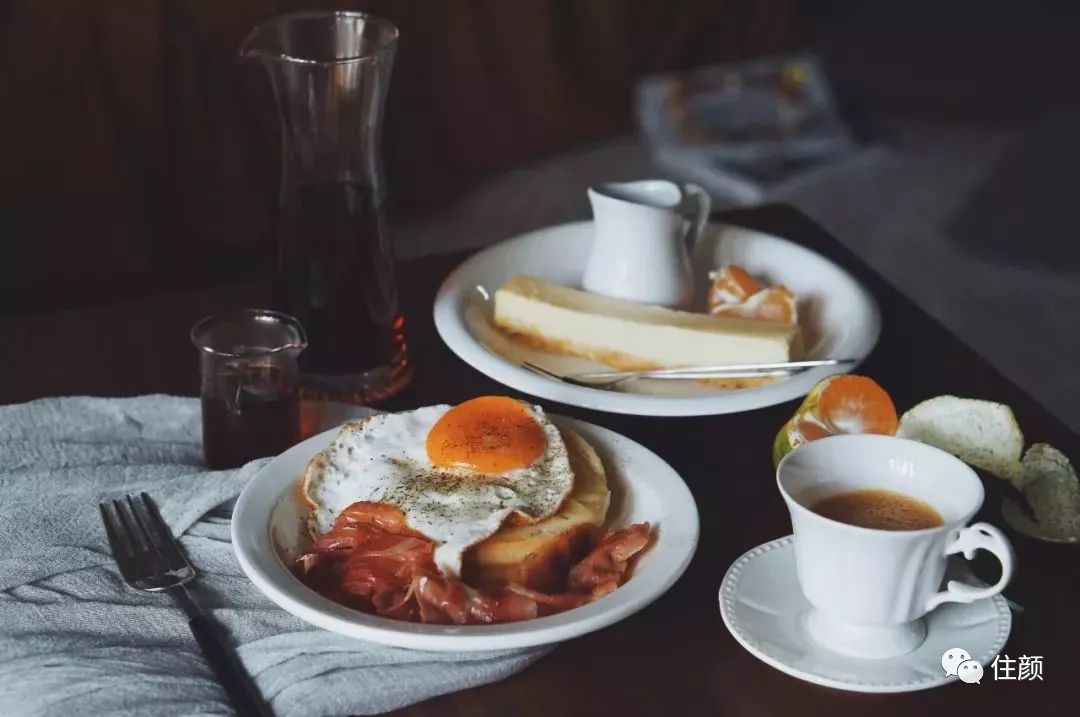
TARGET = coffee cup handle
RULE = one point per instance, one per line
(701, 214)
(977, 536)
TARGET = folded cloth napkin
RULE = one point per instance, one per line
(75, 639)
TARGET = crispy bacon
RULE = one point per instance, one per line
(381, 515)
(442, 600)
(604, 567)
(504, 607)
(558, 601)
(599, 573)
(373, 561)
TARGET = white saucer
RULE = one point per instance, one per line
(839, 318)
(763, 607)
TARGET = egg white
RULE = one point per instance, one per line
(386, 461)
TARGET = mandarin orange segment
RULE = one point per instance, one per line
(489, 434)
(775, 304)
(807, 431)
(732, 285)
(857, 404)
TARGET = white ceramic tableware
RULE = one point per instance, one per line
(640, 245)
(267, 531)
(838, 316)
(763, 606)
(870, 589)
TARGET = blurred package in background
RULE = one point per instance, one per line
(745, 131)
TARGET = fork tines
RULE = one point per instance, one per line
(143, 545)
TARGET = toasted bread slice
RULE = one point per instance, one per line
(539, 555)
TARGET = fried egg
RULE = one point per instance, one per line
(456, 473)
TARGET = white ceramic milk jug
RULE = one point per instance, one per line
(641, 246)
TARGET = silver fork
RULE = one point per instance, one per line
(150, 560)
(612, 379)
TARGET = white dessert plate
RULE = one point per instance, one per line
(839, 318)
(267, 530)
(763, 607)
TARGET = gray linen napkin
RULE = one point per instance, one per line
(75, 639)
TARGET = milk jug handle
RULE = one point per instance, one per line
(695, 196)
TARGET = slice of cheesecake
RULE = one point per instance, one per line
(631, 336)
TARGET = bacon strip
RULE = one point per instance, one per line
(381, 515)
(559, 601)
(608, 561)
(373, 561)
(600, 572)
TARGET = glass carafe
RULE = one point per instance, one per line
(335, 263)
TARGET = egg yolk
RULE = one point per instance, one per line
(490, 434)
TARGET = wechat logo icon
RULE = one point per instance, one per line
(970, 672)
(952, 659)
(958, 663)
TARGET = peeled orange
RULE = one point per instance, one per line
(731, 285)
(838, 404)
(735, 292)
(775, 304)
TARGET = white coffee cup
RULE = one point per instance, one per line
(871, 588)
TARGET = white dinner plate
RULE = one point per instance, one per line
(839, 318)
(267, 530)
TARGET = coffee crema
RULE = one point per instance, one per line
(878, 509)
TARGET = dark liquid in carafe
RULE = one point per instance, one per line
(250, 414)
(335, 273)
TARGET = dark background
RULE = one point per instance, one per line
(137, 155)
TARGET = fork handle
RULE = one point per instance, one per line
(243, 695)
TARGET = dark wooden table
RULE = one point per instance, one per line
(674, 657)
